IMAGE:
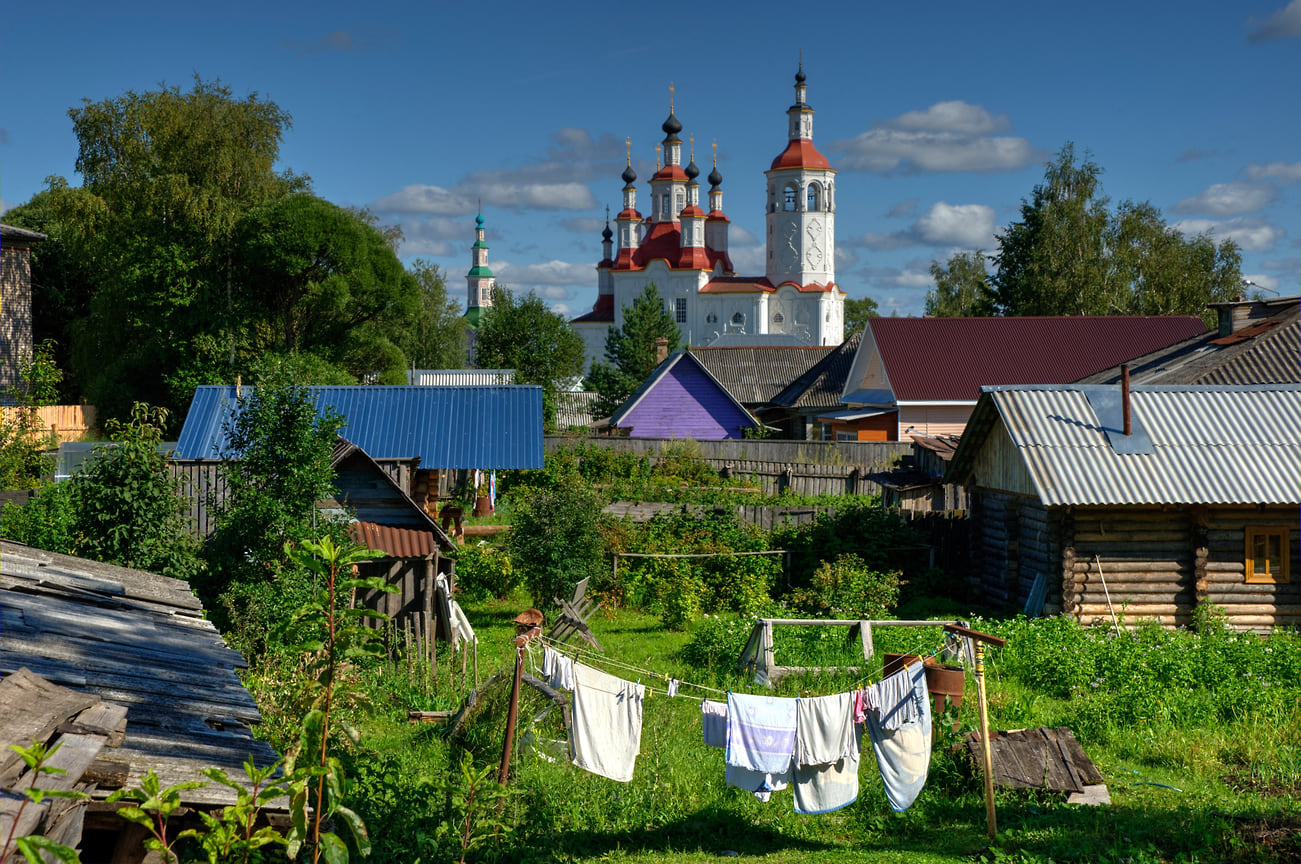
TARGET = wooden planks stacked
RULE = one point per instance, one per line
(1038, 759)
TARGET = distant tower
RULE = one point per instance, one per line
(801, 204)
(479, 280)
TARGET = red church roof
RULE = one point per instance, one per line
(670, 172)
(800, 153)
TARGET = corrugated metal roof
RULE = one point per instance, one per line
(393, 541)
(447, 427)
(949, 359)
(1210, 445)
(460, 377)
(754, 375)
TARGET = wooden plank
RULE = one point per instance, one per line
(33, 709)
(105, 719)
(71, 753)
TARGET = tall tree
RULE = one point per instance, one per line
(521, 333)
(434, 338)
(313, 278)
(857, 311)
(961, 287)
(630, 350)
(1071, 255)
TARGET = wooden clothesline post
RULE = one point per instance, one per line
(987, 756)
(521, 643)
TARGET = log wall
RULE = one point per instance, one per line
(1254, 605)
(1147, 557)
(1015, 539)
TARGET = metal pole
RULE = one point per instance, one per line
(986, 754)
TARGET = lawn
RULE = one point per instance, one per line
(1202, 765)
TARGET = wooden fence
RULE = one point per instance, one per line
(801, 467)
(65, 422)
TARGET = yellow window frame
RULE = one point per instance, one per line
(1256, 537)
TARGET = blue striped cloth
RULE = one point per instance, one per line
(760, 733)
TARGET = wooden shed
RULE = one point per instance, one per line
(1198, 504)
(134, 649)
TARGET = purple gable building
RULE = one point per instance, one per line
(681, 399)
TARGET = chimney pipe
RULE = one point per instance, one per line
(661, 350)
(1124, 396)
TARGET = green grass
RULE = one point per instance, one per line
(1228, 745)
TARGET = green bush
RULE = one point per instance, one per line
(847, 588)
(555, 540)
(880, 537)
(484, 572)
(717, 641)
(47, 521)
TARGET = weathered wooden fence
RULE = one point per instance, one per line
(801, 467)
(65, 422)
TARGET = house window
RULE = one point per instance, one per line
(738, 318)
(827, 434)
(680, 310)
(846, 436)
(711, 318)
(1267, 554)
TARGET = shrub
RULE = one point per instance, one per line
(555, 540)
(717, 642)
(880, 537)
(847, 588)
(484, 572)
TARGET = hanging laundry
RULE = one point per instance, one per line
(760, 742)
(557, 668)
(826, 754)
(672, 688)
(758, 783)
(606, 724)
(861, 705)
(461, 625)
(904, 753)
(713, 723)
(896, 698)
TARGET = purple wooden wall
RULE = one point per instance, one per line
(685, 403)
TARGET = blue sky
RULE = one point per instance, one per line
(938, 116)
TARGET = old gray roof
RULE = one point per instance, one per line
(1190, 445)
(821, 385)
(139, 640)
(754, 375)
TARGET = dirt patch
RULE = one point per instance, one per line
(1279, 839)
(1267, 787)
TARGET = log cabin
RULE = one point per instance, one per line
(1151, 501)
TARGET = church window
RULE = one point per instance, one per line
(664, 205)
(738, 318)
(681, 202)
(711, 318)
(815, 197)
(680, 310)
(790, 198)
(778, 318)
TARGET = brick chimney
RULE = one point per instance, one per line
(661, 350)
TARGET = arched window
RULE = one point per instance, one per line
(711, 318)
(664, 205)
(681, 202)
(738, 318)
(815, 197)
(790, 198)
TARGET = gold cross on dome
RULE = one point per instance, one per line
(670, 97)
(715, 154)
(657, 157)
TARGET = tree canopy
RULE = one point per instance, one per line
(630, 350)
(435, 337)
(188, 257)
(521, 333)
(1071, 254)
(857, 311)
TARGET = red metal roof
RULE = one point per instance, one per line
(393, 542)
(670, 172)
(800, 153)
(717, 216)
(736, 285)
(691, 211)
(949, 359)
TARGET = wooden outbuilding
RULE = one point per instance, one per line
(1089, 502)
(123, 668)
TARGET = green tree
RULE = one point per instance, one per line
(521, 333)
(857, 311)
(630, 350)
(961, 287)
(25, 443)
(1071, 255)
(435, 337)
(555, 539)
(276, 467)
(316, 279)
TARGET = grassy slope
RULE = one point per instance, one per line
(678, 809)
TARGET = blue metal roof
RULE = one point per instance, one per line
(488, 427)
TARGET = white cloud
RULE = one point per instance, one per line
(1283, 172)
(845, 258)
(437, 235)
(562, 309)
(6, 206)
(947, 137)
(748, 260)
(1253, 235)
(584, 225)
(418, 198)
(1228, 199)
(903, 210)
(547, 273)
(536, 196)
(1283, 24)
(739, 236)
(955, 116)
(967, 225)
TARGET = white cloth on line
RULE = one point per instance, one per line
(558, 669)
(826, 754)
(461, 625)
(606, 724)
(897, 699)
(903, 754)
(760, 732)
(672, 689)
(713, 723)
(762, 785)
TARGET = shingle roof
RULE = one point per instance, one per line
(1190, 445)
(754, 375)
(1268, 352)
(447, 427)
(949, 359)
(821, 385)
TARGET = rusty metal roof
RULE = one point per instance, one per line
(1191, 444)
(393, 541)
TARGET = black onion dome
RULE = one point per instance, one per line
(714, 177)
(799, 76)
(628, 174)
(607, 234)
(671, 126)
(691, 170)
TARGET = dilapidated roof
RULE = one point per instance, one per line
(821, 385)
(137, 640)
(754, 375)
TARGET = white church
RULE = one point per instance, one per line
(683, 250)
